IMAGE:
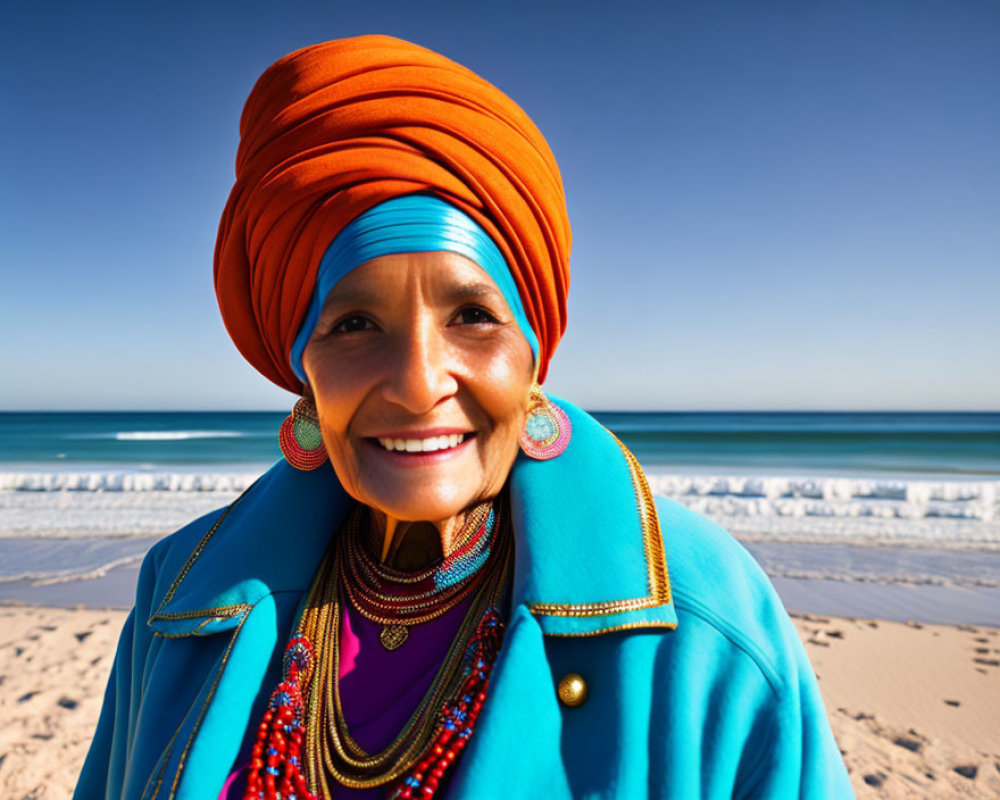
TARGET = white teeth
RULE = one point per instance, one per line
(423, 445)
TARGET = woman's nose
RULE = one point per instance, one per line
(420, 369)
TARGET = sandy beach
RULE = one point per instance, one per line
(914, 707)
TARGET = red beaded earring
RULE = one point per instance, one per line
(546, 430)
(300, 438)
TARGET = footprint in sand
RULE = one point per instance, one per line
(913, 745)
(82, 635)
(967, 771)
(68, 703)
(875, 779)
(989, 662)
(954, 703)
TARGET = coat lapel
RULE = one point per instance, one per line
(590, 555)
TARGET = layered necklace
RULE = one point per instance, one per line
(304, 748)
(399, 600)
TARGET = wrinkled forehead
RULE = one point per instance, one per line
(409, 224)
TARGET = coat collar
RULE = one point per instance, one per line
(589, 550)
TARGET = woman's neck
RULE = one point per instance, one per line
(411, 546)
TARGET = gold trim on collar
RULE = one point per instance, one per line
(652, 545)
(220, 612)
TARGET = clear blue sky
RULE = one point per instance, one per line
(775, 205)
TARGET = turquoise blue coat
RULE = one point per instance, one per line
(698, 684)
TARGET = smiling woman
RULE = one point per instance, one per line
(453, 584)
(411, 349)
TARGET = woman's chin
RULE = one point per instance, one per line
(422, 501)
(419, 509)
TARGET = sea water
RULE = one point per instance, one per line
(890, 499)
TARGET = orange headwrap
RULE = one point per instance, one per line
(334, 129)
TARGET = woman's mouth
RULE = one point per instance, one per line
(430, 444)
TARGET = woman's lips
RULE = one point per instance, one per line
(422, 448)
(424, 444)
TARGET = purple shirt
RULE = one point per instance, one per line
(379, 689)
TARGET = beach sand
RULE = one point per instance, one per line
(915, 708)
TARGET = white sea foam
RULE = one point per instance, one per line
(791, 509)
(857, 510)
(157, 436)
(173, 436)
(125, 481)
(112, 503)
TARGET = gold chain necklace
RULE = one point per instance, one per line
(382, 594)
(330, 751)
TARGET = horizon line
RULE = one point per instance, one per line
(588, 410)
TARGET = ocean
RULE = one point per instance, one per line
(915, 445)
(887, 500)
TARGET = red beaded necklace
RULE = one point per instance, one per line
(303, 742)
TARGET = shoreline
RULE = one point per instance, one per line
(932, 605)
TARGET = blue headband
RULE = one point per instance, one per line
(415, 223)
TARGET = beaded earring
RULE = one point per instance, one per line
(546, 430)
(300, 438)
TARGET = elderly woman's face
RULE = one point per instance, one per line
(421, 378)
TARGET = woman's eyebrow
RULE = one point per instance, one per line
(470, 291)
(351, 297)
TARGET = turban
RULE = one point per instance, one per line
(332, 130)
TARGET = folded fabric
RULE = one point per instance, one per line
(334, 129)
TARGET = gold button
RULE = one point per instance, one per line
(572, 690)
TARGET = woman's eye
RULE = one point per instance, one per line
(351, 325)
(474, 315)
